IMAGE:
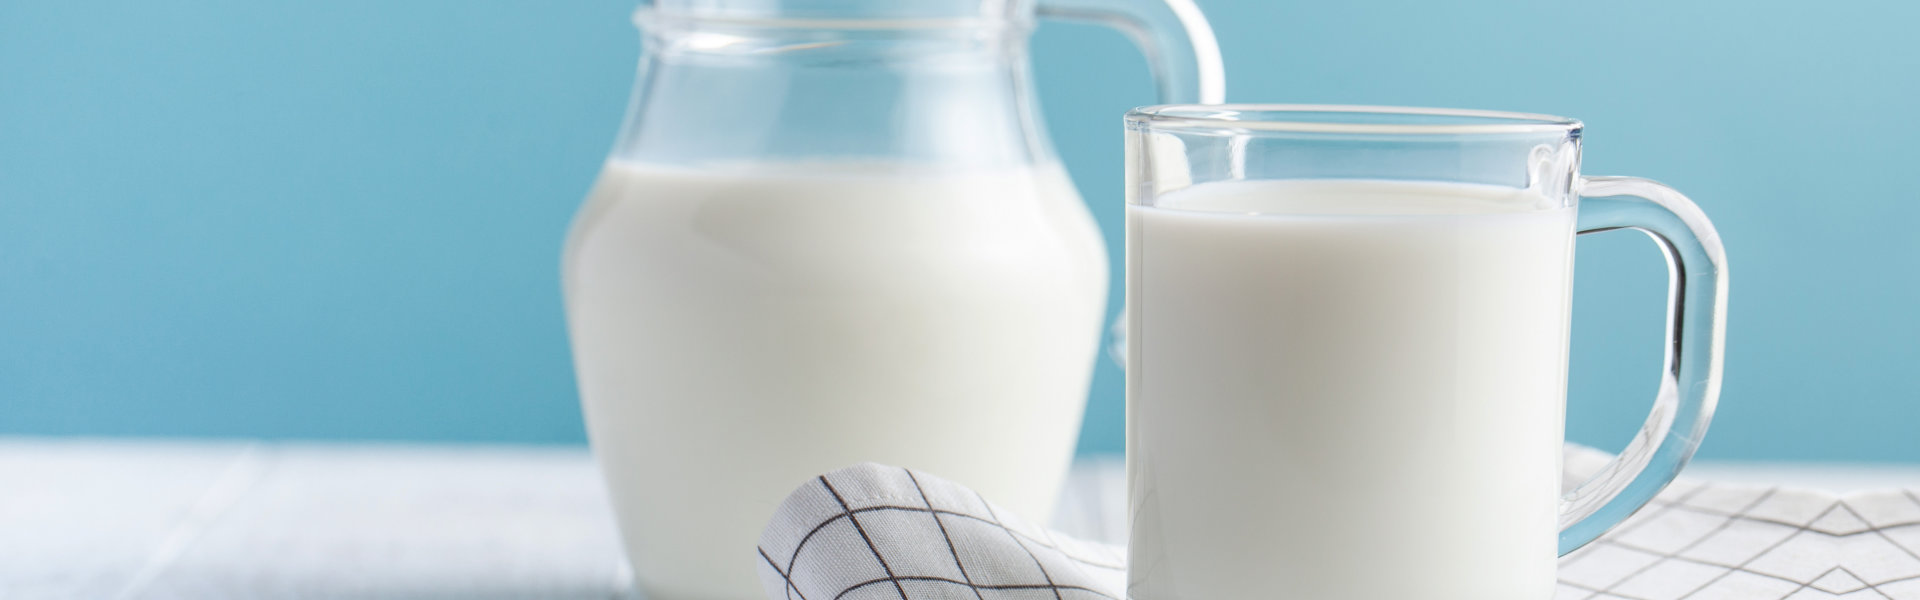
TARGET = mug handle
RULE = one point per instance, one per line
(1174, 35)
(1696, 328)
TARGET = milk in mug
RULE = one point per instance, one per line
(1321, 370)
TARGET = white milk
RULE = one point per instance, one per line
(739, 331)
(1346, 390)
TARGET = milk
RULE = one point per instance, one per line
(738, 330)
(1346, 390)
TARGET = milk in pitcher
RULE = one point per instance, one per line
(740, 329)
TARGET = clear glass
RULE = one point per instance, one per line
(1348, 351)
(941, 84)
(830, 232)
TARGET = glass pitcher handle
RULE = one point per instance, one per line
(1690, 381)
(1172, 33)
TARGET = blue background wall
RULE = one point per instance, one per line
(342, 219)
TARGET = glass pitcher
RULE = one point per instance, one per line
(833, 231)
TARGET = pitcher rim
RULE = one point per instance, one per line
(647, 17)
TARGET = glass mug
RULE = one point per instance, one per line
(1347, 357)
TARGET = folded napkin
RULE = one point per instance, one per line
(874, 532)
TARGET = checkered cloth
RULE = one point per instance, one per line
(873, 532)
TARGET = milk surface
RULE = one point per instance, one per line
(740, 330)
(1346, 390)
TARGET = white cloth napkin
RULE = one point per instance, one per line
(871, 532)
(874, 532)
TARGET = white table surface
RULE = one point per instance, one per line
(214, 520)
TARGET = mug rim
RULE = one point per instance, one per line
(1342, 119)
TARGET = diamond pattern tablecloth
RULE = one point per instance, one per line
(1708, 541)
